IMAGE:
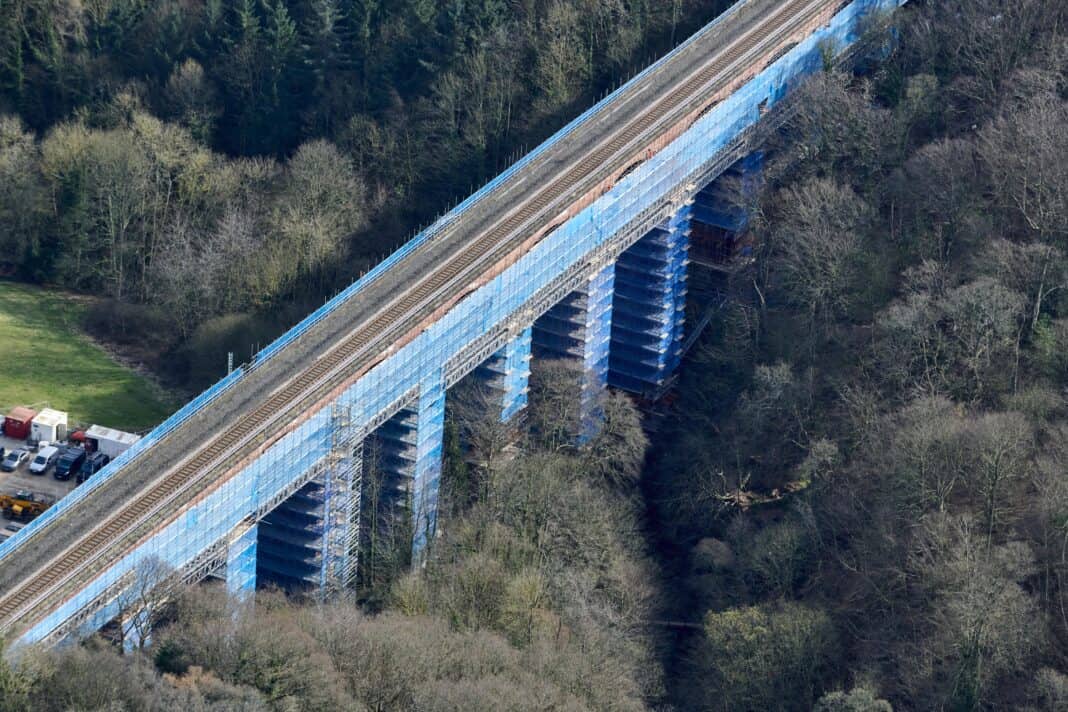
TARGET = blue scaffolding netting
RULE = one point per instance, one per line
(623, 325)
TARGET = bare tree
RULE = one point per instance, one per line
(476, 408)
(320, 204)
(937, 339)
(818, 238)
(1037, 270)
(561, 68)
(1003, 450)
(23, 199)
(859, 699)
(986, 627)
(151, 586)
(981, 322)
(981, 44)
(617, 452)
(555, 408)
(939, 198)
(386, 536)
(192, 99)
(929, 452)
(835, 128)
(1023, 153)
(763, 657)
(1020, 149)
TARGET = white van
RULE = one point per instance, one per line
(44, 459)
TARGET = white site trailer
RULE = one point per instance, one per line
(109, 441)
(49, 426)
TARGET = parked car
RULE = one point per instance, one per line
(45, 458)
(94, 463)
(16, 457)
(10, 530)
(69, 462)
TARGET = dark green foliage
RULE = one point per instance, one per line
(401, 107)
(860, 500)
(289, 70)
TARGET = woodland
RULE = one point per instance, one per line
(210, 169)
(855, 500)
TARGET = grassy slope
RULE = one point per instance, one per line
(45, 359)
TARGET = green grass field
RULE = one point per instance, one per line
(46, 359)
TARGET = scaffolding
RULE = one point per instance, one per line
(241, 561)
(343, 503)
(579, 329)
(650, 306)
(390, 455)
(507, 374)
(311, 539)
(296, 489)
(426, 483)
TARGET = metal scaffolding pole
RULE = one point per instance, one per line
(650, 306)
(426, 483)
(579, 329)
(241, 561)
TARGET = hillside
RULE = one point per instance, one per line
(854, 501)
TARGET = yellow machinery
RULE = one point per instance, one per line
(23, 505)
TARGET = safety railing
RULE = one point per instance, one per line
(442, 223)
(370, 277)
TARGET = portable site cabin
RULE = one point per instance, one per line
(17, 422)
(109, 441)
(49, 426)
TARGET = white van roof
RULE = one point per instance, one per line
(49, 417)
(48, 451)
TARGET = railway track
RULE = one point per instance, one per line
(99, 548)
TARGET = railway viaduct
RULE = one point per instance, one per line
(578, 251)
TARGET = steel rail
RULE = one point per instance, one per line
(170, 490)
(467, 259)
